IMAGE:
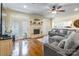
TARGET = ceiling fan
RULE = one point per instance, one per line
(56, 8)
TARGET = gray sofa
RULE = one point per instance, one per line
(59, 33)
(67, 45)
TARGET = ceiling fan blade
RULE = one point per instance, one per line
(54, 7)
(59, 7)
(61, 10)
(50, 9)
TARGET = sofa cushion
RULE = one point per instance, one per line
(71, 43)
(57, 38)
(53, 32)
(62, 32)
(76, 53)
(54, 43)
(61, 44)
(59, 32)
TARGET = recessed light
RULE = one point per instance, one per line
(76, 9)
(25, 6)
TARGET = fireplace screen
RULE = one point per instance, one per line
(36, 31)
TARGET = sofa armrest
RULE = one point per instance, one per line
(52, 51)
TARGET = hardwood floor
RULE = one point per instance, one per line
(35, 47)
(26, 47)
(20, 48)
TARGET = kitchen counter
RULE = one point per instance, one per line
(5, 38)
(6, 46)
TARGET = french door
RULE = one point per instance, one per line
(19, 27)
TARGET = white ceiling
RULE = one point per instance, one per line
(42, 8)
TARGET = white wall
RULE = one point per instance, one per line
(62, 24)
(67, 20)
(47, 25)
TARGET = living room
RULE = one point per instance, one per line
(36, 26)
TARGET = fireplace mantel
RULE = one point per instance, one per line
(36, 27)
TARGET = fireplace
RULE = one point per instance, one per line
(36, 31)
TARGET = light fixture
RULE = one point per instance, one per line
(76, 9)
(54, 12)
(25, 6)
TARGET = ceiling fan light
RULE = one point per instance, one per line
(54, 12)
